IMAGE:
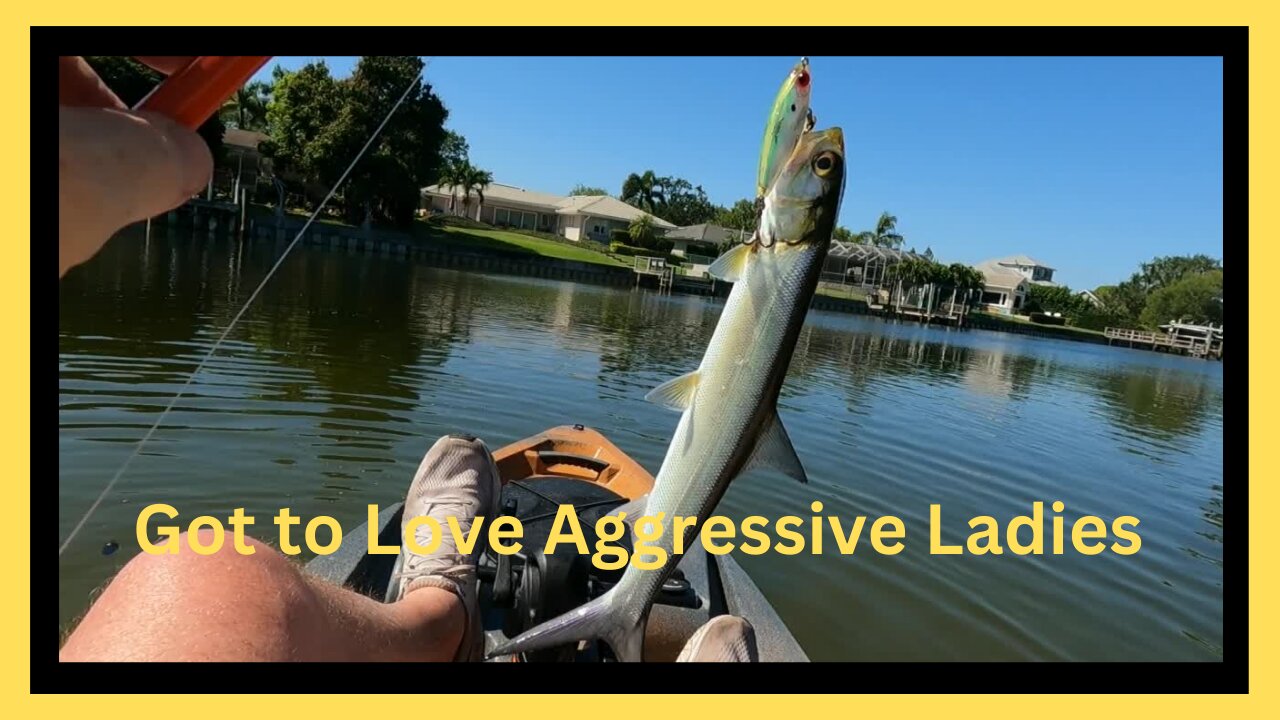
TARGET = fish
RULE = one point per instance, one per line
(729, 417)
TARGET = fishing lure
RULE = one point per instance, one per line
(789, 118)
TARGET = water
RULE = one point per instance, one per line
(349, 366)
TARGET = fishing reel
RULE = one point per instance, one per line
(521, 590)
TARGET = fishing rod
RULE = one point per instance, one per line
(191, 96)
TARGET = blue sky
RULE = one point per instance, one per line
(1091, 165)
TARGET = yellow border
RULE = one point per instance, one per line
(15, 368)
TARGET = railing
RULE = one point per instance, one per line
(1154, 339)
(650, 265)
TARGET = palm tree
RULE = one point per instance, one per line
(247, 109)
(452, 176)
(641, 231)
(643, 191)
(883, 235)
(473, 179)
(964, 280)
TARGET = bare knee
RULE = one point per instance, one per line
(192, 606)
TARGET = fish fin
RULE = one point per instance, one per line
(729, 266)
(675, 394)
(592, 621)
(774, 449)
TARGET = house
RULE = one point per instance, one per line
(574, 217)
(705, 233)
(1008, 280)
(1028, 267)
(1093, 299)
(241, 158)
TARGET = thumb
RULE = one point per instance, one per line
(117, 167)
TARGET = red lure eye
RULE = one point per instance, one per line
(803, 79)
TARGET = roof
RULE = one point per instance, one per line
(865, 252)
(508, 193)
(606, 207)
(595, 205)
(1192, 328)
(1024, 260)
(703, 232)
(236, 137)
(996, 274)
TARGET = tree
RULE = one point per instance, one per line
(963, 281)
(1052, 298)
(642, 232)
(247, 109)
(454, 150)
(1165, 271)
(741, 216)
(130, 80)
(303, 103)
(843, 234)
(319, 124)
(1195, 298)
(884, 234)
(684, 203)
(472, 179)
(452, 176)
(908, 273)
(581, 189)
(643, 191)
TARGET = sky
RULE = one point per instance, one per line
(1090, 165)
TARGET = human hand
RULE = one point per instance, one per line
(115, 166)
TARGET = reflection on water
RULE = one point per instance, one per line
(349, 366)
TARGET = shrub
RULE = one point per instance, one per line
(459, 221)
(618, 248)
(620, 236)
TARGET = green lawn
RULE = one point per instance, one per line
(478, 238)
(512, 242)
(847, 292)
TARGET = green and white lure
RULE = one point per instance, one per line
(789, 118)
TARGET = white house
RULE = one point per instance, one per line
(701, 233)
(1007, 281)
(574, 217)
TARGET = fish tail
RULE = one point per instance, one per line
(596, 620)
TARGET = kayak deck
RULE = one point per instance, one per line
(578, 466)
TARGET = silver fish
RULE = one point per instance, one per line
(729, 419)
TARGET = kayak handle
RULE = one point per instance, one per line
(554, 457)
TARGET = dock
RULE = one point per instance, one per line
(672, 277)
(1207, 347)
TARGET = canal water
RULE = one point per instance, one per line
(349, 366)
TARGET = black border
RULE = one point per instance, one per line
(1229, 676)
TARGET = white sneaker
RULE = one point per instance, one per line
(725, 638)
(457, 478)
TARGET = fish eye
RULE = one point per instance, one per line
(803, 79)
(824, 163)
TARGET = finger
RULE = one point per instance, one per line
(167, 64)
(116, 168)
(80, 86)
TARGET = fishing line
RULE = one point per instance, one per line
(137, 450)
